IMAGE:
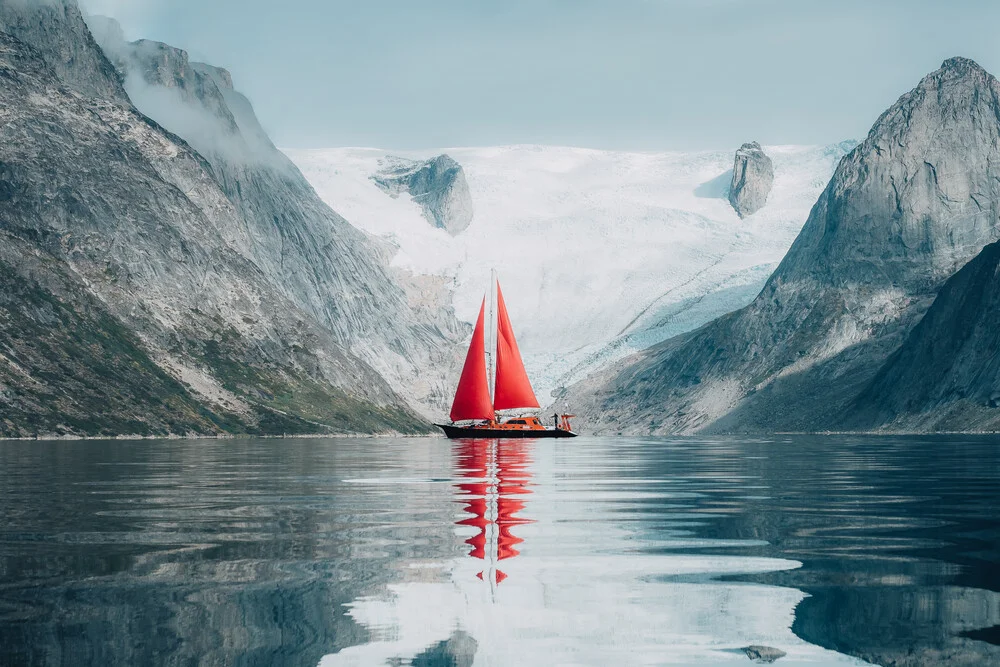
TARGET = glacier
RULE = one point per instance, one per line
(600, 253)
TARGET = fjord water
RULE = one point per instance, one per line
(593, 551)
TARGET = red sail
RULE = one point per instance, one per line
(472, 398)
(512, 388)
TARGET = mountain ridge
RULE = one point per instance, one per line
(904, 210)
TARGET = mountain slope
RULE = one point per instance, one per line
(909, 206)
(946, 375)
(56, 29)
(121, 233)
(67, 365)
(322, 263)
(600, 253)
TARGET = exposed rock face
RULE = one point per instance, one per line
(145, 305)
(909, 206)
(946, 376)
(56, 29)
(438, 185)
(322, 263)
(753, 176)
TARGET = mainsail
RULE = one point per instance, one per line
(512, 389)
(472, 398)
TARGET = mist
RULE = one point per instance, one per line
(222, 125)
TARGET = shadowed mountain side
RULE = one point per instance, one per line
(909, 206)
(946, 375)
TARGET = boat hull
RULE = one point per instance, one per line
(453, 432)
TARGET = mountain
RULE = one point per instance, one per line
(903, 212)
(399, 325)
(57, 30)
(600, 253)
(946, 375)
(144, 298)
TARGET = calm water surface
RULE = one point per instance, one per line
(835, 550)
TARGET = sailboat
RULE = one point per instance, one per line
(474, 412)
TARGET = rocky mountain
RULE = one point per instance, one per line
(903, 212)
(399, 324)
(146, 296)
(57, 29)
(753, 176)
(946, 375)
(438, 185)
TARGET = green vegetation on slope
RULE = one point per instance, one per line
(73, 369)
(295, 403)
(68, 367)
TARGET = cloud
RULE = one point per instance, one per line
(135, 16)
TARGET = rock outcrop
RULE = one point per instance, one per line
(946, 375)
(753, 176)
(903, 212)
(438, 185)
(170, 307)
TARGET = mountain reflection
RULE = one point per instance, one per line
(494, 477)
(835, 551)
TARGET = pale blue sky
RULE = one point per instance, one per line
(625, 74)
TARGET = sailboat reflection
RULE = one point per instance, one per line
(498, 479)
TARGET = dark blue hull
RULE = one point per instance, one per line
(473, 432)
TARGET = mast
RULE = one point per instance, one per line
(492, 514)
(491, 330)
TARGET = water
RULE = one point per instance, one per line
(835, 550)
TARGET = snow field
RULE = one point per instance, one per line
(599, 253)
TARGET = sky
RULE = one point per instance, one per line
(611, 74)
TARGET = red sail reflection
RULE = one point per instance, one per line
(498, 478)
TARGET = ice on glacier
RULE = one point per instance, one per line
(600, 253)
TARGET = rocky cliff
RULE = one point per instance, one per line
(147, 304)
(438, 185)
(321, 262)
(908, 207)
(56, 29)
(753, 176)
(946, 375)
